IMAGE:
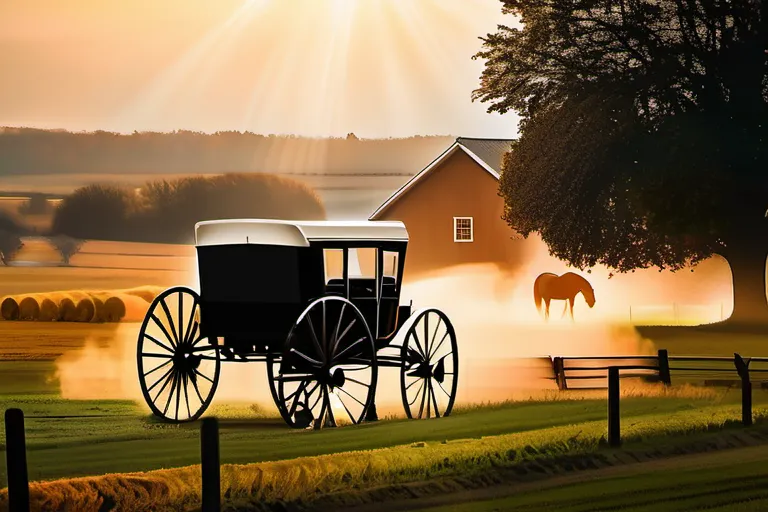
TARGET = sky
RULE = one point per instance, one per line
(378, 68)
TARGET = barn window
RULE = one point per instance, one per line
(463, 229)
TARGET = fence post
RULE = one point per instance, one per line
(211, 470)
(614, 418)
(559, 368)
(746, 389)
(16, 458)
(664, 375)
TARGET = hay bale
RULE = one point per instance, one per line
(29, 308)
(109, 306)
(9, 309)
(135, 307)
(76, 306)
(148, 293)
(49, 310)
(114, 309)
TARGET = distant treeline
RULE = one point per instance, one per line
(166, 211)
(34, 151)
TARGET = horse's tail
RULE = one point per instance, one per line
(537, 298)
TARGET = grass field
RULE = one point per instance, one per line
(733, 480)
(91, 437)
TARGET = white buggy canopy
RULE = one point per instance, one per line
(294, 233)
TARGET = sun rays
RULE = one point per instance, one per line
(318, 68)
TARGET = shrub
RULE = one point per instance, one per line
(96, 211)
(170, 209)
(10, 244)
(67, 246)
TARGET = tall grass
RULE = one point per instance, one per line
(306, 478)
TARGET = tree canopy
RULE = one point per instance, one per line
(644, 131)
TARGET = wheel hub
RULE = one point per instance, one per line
(186, 361)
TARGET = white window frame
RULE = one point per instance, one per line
(471, 229)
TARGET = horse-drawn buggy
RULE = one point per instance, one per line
(319, 303)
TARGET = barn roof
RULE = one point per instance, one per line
(488, 154)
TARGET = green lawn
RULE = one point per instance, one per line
(728, 480)
(90, 437)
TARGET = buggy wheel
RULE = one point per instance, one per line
(178, 368)
(430, 366)
(327, 375)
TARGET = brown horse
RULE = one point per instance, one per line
(550, 286)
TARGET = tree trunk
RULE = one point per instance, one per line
(747, 262)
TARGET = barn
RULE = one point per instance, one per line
(453, 211)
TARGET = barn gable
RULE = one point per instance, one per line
(487, 153)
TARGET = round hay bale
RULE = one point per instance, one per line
(85, 309)
(147, 293)
(98, 315)
(114, 309)
(9, 309)
(49, 310)
(135, 307)
(68, 310)
(29, 308)
(75, 306)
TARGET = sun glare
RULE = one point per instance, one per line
(317, 63)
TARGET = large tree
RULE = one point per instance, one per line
(643, 135)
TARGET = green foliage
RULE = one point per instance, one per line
(644, 133)
(67, 246)
(101, 212)
(167, 210)
(170, 209)
(33, 151)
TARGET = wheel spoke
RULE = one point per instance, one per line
(157, 342)
(295, 403)
(162, 328)
(181, 317)
(186, 395)
(306, 358)
(412, 383)
(187, 338)
(418, 345)
(349, 413)
(444, 391)
(350, 396)
(328, 407)
(349, 348)
(170, 394)
(434, 353)
(170, 320)
(193, 378)
(423, 397)
(149, 390)
(178, 394)
(434, 335)
(434, 398)
(426, 334)
(325, 339)
(315, 341)
(418, 392)
(203, 376)
(345, 331)
(153, 370)
(350, 379)
(335, 336)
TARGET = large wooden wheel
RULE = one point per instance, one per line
(430, 366)
(327, 375)
(178, 368)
